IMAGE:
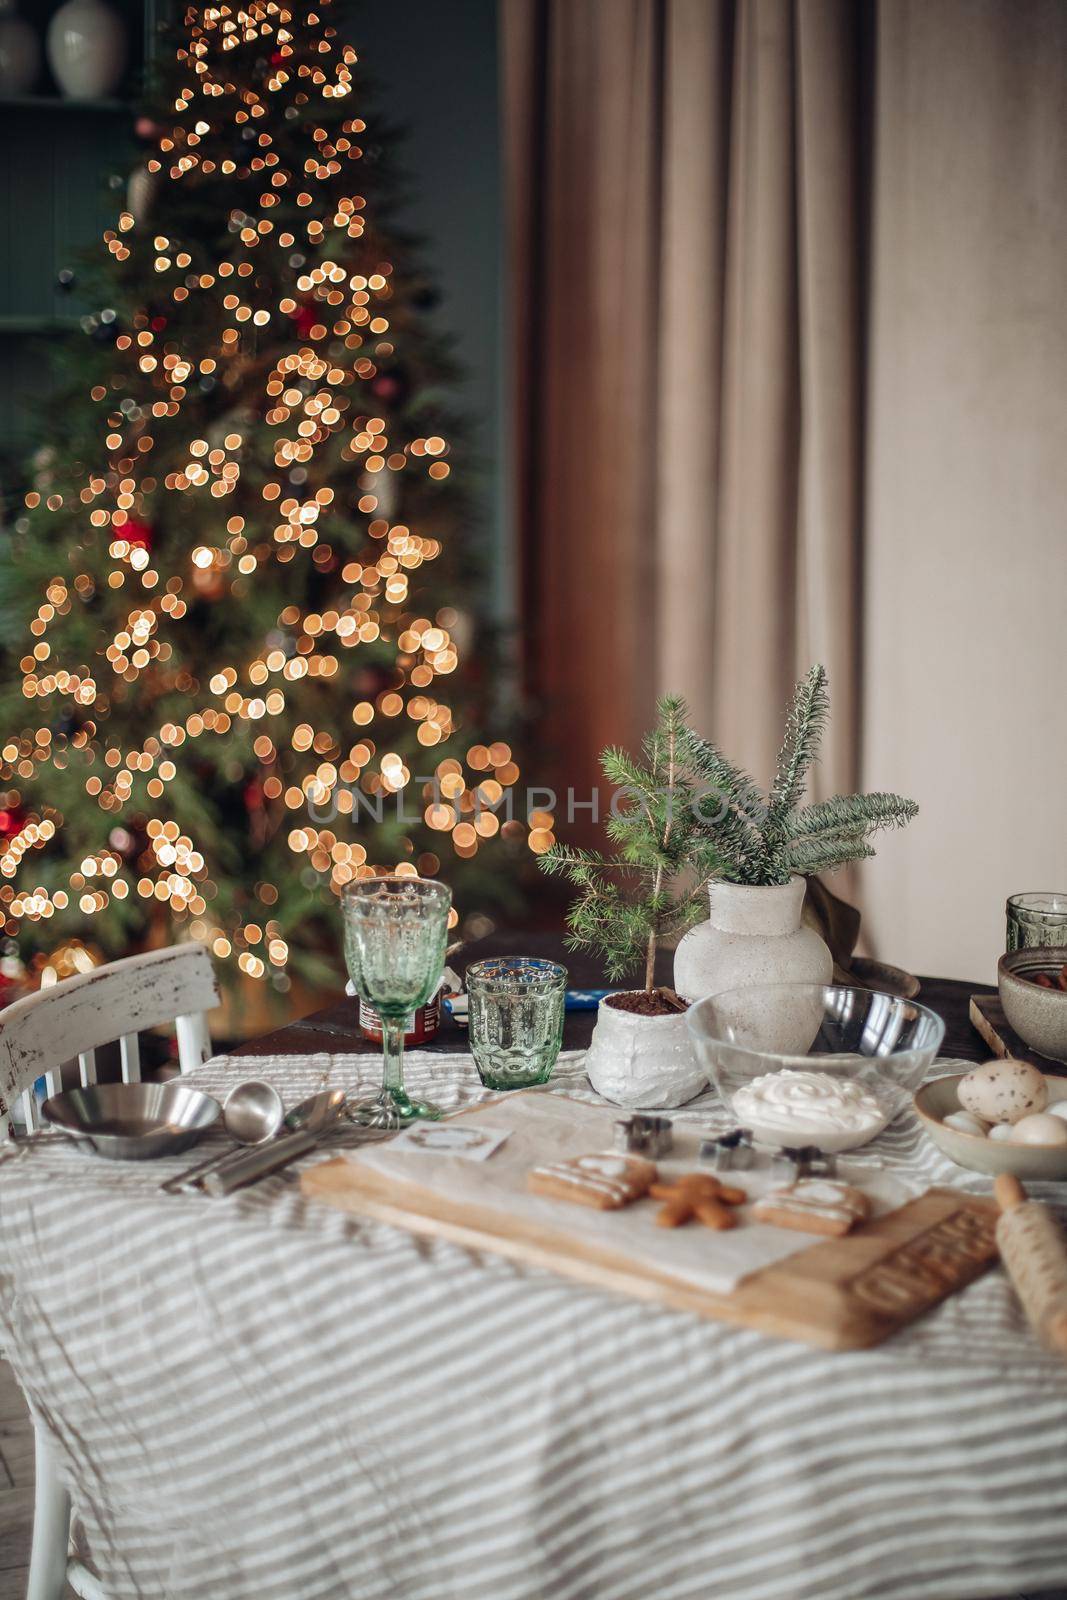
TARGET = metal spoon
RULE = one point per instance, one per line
(324, 1110)
(252, 1113)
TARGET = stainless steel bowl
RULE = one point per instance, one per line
(132, 1121)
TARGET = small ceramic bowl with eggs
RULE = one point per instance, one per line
(1004, 1116)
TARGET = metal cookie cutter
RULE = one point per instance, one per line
(793, 1162)
(644, 1135)
(731, 1153)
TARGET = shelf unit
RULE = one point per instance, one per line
(57, 102)
(63, 169)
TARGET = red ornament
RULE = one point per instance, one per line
(305, 317)
(386, 386)
(12, 821)
(137, 532)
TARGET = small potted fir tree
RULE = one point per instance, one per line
(630, 902)
(766, 843)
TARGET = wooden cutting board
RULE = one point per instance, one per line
(837, 1294)
(987, 1017)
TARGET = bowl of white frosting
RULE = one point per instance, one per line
(811, 1063)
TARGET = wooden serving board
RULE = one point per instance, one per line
(838, 1294)
(987, 1017)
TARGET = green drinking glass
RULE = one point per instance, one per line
(515, 1008)
(395, 930)
(1036, 919)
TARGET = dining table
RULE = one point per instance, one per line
(259, 1397)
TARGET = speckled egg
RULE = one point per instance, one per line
(1039, 1129)
(1003, 1091)
(963, 1122)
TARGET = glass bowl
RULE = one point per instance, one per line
(814, 1063)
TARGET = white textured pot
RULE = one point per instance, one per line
(754, 935)
(20, 51)
(646, 1063)
(87, 49)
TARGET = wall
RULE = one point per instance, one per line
(966, 583)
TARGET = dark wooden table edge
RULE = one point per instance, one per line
(334, 1028)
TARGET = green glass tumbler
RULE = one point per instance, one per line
(395, 931)
(515, 1007)
(1036, 919)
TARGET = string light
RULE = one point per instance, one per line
(299, 442)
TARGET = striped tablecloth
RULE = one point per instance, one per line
(257, 1399)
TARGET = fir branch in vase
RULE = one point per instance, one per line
(762, 840)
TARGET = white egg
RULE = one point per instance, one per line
(963, 1122)
(1003, 1091)
(1057, 1108)
(1002, 1131)
(1040, 1129)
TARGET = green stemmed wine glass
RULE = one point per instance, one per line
(396, 930)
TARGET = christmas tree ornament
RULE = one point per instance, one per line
(13, 818)
(391, 386)
(304, 317)
(138, 533)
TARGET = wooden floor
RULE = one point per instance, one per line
(16, 1496)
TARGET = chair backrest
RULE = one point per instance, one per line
(40, 1034)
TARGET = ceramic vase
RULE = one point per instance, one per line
(20, 51)
(87, 49)
(753, 935)
(646, 1063)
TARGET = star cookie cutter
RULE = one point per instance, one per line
(731, 1152)
(793, 1162)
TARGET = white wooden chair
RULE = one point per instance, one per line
(64, 1027)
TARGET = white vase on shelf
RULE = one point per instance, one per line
(20, 51)
(87, 49)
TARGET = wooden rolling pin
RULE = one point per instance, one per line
(1034, 1251)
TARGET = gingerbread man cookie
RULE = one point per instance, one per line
(700, 1196)
(604, 1180)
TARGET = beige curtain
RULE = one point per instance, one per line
(780, 373)
(687, 243)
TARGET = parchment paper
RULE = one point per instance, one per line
(546, 1127)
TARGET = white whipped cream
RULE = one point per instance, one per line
(795, 1107)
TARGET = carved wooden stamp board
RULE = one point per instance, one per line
(837, 1294)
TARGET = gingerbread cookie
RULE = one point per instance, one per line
(604, 1180)
(814, 1205)
(697, 1195)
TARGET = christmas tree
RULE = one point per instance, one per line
(241, 681)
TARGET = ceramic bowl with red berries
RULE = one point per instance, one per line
(1033, 992)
